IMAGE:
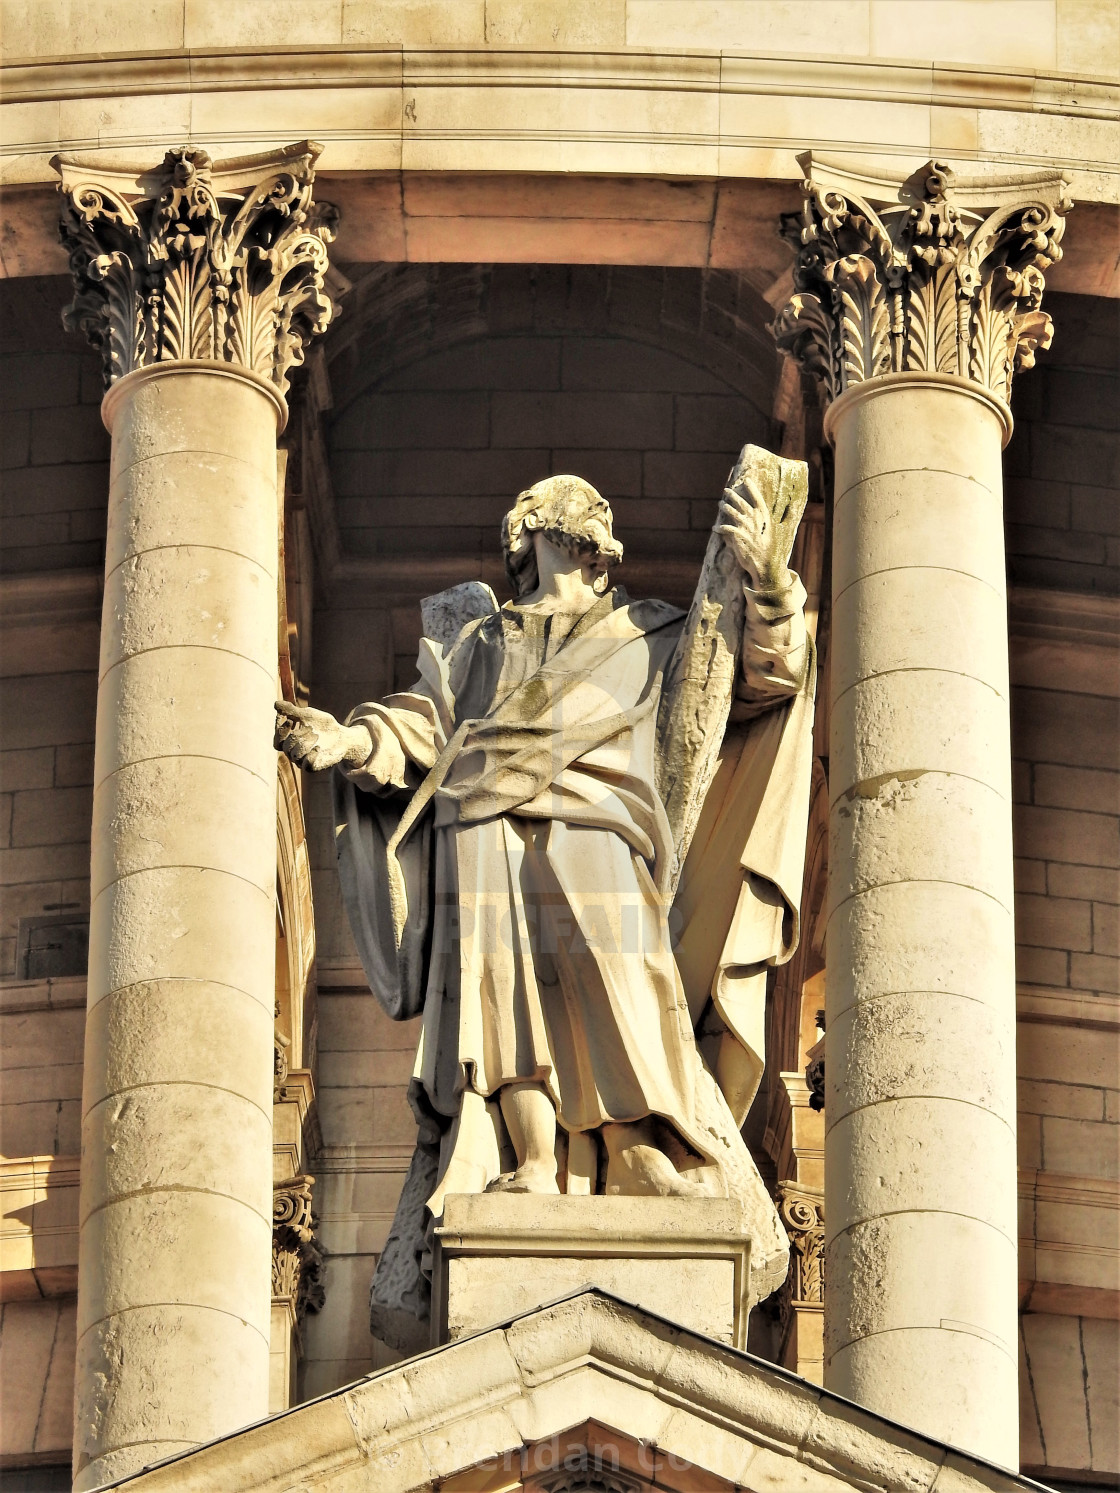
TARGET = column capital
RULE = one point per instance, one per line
(297, 1260)
(198, 260)
(930, 274)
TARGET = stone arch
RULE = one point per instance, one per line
(685, 363)
(397, 314)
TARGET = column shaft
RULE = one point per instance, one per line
(176, 1195)
(917, 301)
(920, 1304)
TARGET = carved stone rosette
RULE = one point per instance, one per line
(198, 260)
(922, 276)
(801, 1210)
(298, 1268)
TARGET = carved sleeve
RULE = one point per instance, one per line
(775, 645)
(407, 736)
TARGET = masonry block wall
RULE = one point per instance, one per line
(54, 450)
(1067, 838)
(1063, 464)
(1063, 496)
(53, 490)
(53, 495)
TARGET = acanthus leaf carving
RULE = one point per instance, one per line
(932, 306)
(918, 279)
(189, 269)
(298, 1266)
(804, 328)
(864, 319)
(801, 1210)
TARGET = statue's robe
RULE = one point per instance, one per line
(510, 854)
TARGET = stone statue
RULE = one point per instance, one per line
(573, 848)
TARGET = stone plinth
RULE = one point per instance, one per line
(499, 1254)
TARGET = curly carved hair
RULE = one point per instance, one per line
(569, 513)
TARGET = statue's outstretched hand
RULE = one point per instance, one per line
(761, 537)
(314, 739)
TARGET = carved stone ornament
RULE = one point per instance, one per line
(801, 1210)
(927, 275)
(280, 1064)
(196, 259)
(814, 1070)
(589, 1483)
(592, 1481)
(298, 1268)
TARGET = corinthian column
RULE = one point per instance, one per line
(200, 285)
(917, 302)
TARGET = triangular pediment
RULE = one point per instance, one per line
(588, 1393)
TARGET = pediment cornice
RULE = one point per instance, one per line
(591, 1372)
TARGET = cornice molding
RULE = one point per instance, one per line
(1076, 1190)
(1064, 616)
(344, 1160)
(565, 1369)
(37, 80)
(57, 596)
(1033, 611)
(38, 1172)
(1077, 1008)
(50, 596)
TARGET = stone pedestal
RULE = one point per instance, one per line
(501, 1254)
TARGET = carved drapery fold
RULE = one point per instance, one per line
(198, 260)
(923, 276)
(297, 1262)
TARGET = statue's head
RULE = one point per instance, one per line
(569, 513)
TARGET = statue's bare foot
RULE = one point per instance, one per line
(635, 1167)
(536, 1177)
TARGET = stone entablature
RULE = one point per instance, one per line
(661, 108)
(920, 276)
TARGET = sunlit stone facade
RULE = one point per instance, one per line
(334, 284)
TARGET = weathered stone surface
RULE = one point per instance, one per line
(915, 303)
(589, 1377)
(197, 335)
(499, 1256)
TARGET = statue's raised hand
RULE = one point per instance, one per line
(758, 517)
(314, 739)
